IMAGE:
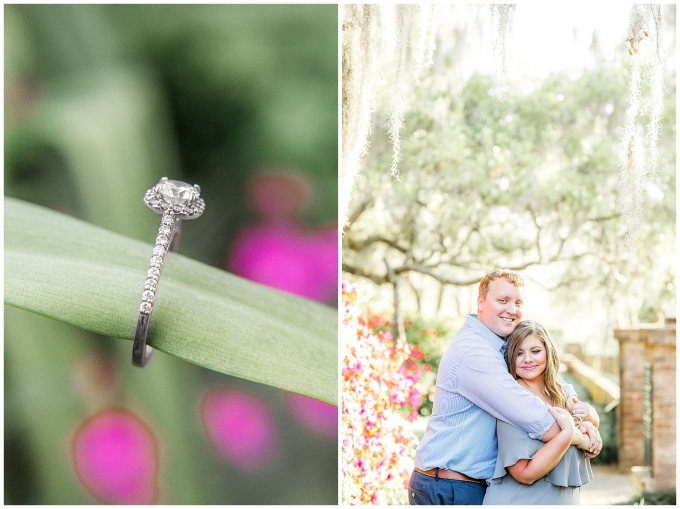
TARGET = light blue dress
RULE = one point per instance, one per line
(559, 486)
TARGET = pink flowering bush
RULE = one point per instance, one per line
(428, 339)
(378, 380)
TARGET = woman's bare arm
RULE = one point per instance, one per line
(580, 440)
(547, 457)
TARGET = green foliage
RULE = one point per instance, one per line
(529, 181)
(609, 455)
(431, 336)
(212, 93)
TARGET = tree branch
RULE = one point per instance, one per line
(360, 210)
(358, 245)
(356, 271)
(429, 271)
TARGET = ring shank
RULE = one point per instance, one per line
(141, 352)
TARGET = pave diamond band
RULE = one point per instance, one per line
(176, 201)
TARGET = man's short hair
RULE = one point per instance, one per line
(508, 274)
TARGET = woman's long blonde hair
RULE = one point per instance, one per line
(553, 387)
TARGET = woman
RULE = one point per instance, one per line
(529, 471)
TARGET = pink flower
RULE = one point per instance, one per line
(240, 426)
(314, 415)
(378, 442)
(116, 458)
(379, 497)
(285, 256)
(277, 251)
(416, 353)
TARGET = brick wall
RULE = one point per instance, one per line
(657, 347)
(629, 417)
(663, 379)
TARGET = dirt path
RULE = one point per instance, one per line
(607, 487)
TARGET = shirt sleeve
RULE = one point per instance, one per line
(484, 380)
(569, 387)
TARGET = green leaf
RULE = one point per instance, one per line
(71, 271)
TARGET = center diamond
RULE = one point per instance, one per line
(174, 191)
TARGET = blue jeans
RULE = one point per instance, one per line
(425, 490)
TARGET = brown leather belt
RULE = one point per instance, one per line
(452, 475)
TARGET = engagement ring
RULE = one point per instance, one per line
(175, 201)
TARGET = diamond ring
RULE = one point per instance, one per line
(175, 201)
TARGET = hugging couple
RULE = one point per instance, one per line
(505, 428)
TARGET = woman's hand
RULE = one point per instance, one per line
(563, 418)
(583, 411)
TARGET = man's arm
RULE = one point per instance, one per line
(483, 379)
(580, 440)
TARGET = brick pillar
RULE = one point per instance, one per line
(629, 417)
(657, 347)
(662, 344)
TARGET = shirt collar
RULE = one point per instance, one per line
(497, 342)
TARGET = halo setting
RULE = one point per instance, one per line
(180, 198)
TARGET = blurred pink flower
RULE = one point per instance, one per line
(285, 256)
(277, 251)
(379, 497)
(240, 426)
(116, 458)
(314, 415)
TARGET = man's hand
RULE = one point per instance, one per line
(595, 439)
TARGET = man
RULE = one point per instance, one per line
(459, 448)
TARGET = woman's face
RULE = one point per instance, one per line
(531, 358)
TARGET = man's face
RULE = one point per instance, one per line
(501, 309)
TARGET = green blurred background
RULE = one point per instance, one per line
(100, 102)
